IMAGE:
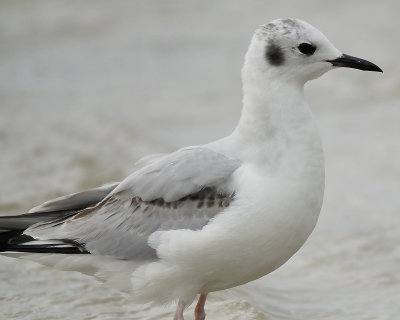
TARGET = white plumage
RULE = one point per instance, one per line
(210, 217)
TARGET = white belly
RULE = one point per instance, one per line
(259, 236)
(270, 220)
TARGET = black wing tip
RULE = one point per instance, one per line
(44, 249)
(16, 241)
(13, 239)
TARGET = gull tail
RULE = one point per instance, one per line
(61, 254)
(12, 237)
(56, 211)
(12, 228)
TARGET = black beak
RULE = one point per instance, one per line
(353, 62)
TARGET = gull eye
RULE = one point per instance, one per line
(306, 48)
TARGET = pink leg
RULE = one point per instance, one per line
(179, 310)
(199, 313)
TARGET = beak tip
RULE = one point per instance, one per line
(373, 67)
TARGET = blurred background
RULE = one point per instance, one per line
(88, 87)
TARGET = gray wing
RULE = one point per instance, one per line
(81, 200)
(76, 201)
(57, 208)
(65, 206)
(178, 174)
(183, 190)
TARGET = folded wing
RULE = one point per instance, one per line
(182, 190)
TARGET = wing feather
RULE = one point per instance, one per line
(178, 174)
(121, 228)
(183, 190)
(75, 201)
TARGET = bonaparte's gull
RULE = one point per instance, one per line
(210, 217)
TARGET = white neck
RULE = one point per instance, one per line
(271, 109)
(276, 123)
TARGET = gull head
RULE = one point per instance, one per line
(293, 50)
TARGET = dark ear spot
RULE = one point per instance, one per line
(274, 54)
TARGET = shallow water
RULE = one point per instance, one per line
(86, 88)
